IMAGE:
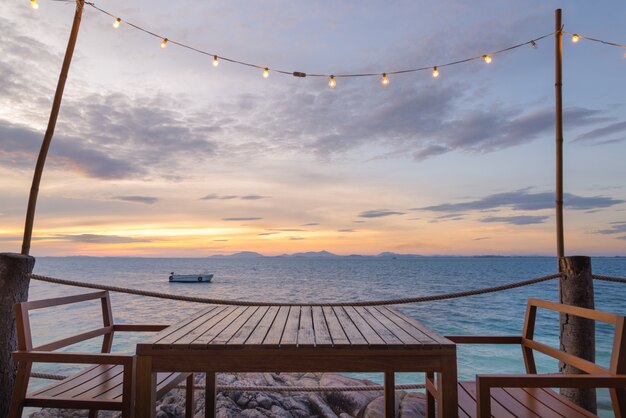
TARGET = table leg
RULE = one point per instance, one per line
(145, 388)
(210, 402)
(448, 395)
(390, 395)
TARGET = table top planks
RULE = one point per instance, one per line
(296, 327)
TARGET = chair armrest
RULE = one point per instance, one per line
(551, 380)
(76, 358)
(485, 339)
(484, 383)
(138, 327)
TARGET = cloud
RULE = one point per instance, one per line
(253, 197)
(138, 199)
(95, 239)
(286, 229)
(481, 238)
(615, 228)
(346, 230)
(525, 200)
(615, 128)
(517, 220)
(267, 233)
(378, 213)
(622, 237)
(295, 238)
(451, 217)
(214, 196)
(220, 240)
(242, 219)
(311, 224)
(19, 146)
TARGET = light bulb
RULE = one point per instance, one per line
(266, 73)
(34, 4)
(575, 38)
(385, 80)
(487, 58)
(435, 72)
(164, 43)
(216, 61)
(332, 83)
(116, 24)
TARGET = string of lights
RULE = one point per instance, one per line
(332, 78)
(577, 37)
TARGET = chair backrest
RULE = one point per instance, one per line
(618, 356)
(22, 320)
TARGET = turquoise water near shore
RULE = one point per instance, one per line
(295, 279)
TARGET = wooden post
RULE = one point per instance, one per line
(45, 145)
(14, 289)
(558, 87)
(577, 334)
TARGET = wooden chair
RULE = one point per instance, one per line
(529, 395)
(107, 384)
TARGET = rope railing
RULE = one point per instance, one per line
(609, 278)
(214, 301)
(248, 388)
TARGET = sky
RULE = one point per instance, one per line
(159, 153)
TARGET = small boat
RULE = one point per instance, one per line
(191, 278)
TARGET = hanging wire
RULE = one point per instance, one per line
(532, 42)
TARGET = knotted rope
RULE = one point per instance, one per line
(251, 303)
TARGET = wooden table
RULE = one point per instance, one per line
(297, 339)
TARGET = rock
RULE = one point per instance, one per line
(252, 413)
(264, 401)
(349, 402)
(376, 408)
(413, 405)
(321, 407)
(278, 412)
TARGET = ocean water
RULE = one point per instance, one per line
(332, 279)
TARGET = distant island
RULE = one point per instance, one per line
(328, 254)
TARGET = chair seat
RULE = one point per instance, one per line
(99, 386)
(520, 402)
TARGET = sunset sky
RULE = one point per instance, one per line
(159, 153)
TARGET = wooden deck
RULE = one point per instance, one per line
(297, 339)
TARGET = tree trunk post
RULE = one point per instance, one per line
(13, 289)
(578, 335)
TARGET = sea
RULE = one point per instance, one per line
(332, 279)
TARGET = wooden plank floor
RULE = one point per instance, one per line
(297, 326)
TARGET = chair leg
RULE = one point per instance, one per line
(19, 390)
(189, 403)
(210, 401)
(430, 399)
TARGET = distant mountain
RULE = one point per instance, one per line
(315, 254)
(241, 254)
(388, 254)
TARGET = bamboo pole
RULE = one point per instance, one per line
(47, 139)
(558, 90)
